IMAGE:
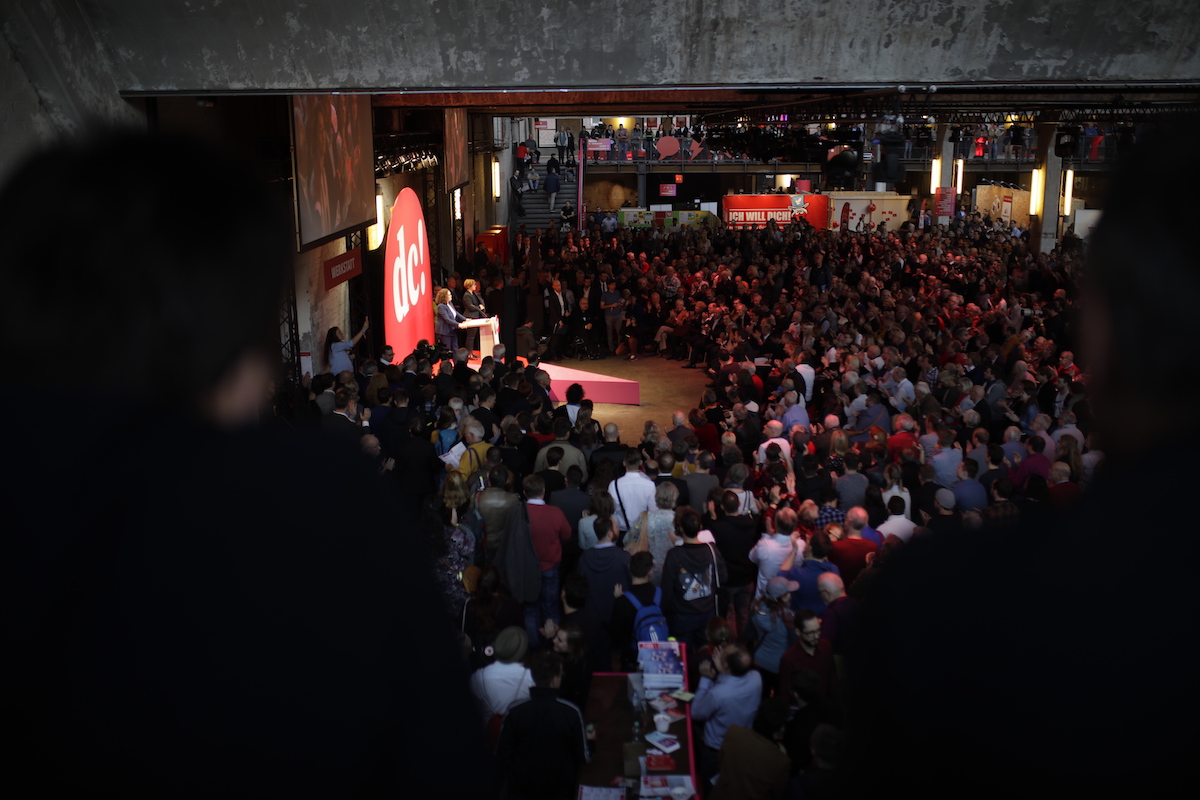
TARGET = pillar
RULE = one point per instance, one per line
(1043, 228)
(945, 151)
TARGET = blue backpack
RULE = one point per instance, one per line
(649, 625)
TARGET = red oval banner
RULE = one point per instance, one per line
(407, 281)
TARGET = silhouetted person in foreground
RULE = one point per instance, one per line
(1000, 663)
(189, 609)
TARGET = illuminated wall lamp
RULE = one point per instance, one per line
(1037, 189)
(958, 175)
(1068, 192)
(935, 175)
(375, 232)
(495, 179)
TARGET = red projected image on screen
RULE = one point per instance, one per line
(454, 145)
(335, 177)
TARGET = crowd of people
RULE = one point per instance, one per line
(866, 390)
(899, 530)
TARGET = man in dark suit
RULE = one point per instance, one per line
(666, 464)
(462, 373)
(342, 422)
(559, 306)
(573, 502)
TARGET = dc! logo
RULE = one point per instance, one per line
(408, 312)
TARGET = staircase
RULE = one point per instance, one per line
(538, 215)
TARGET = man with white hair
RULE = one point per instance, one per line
(1040, 427)
(476, 452)
(462, 373)
(904, 437)
(1014, 450)
(822, 440)
(901, 392)
(773, 430)
(679, 429)
(1067, 427)
(925, 403)
(795, 413)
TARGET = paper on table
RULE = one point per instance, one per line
(601, 793)
(662, 785)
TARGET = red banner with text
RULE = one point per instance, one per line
(755, 210)
(943, 203)
(343, 268)
(407, 282)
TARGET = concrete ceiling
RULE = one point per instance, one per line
(382, 45)
(88, 58)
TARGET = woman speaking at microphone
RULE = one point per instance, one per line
(448, 321)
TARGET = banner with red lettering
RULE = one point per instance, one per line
(755, 210)
(943, 202)
(407, 282)
(343, 268)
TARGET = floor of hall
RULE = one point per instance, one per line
(665, 387)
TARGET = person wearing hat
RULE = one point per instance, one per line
(506, 681)
(945, 518)
(771, 615)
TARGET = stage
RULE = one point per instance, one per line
(597, 387)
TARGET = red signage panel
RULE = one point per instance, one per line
(943, 204)
(756, 210)
(342, 268)
(667, 190)
(407, 281)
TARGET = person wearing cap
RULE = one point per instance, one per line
(771, 615)
(506, 681)
(945, 518)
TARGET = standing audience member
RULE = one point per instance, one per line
(548, 529)
(729, 693)
(693, 573)
(542, 743)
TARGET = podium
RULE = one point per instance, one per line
(489, 333)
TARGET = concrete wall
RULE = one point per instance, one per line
(54, 77)
(23, 122)
(178, 46)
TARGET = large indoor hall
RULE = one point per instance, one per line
(600, 400)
